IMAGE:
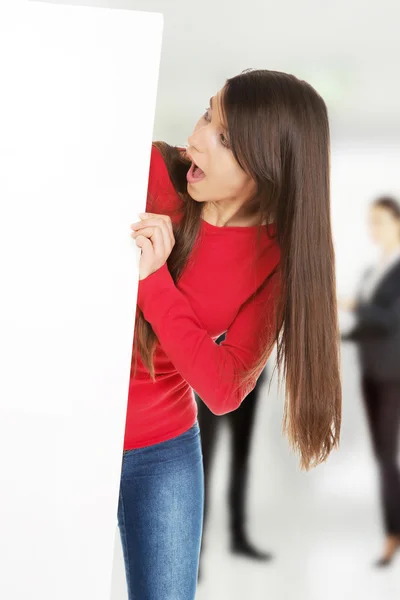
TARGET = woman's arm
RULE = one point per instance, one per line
(372, 320)
(210, 369)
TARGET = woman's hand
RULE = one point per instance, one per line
(347, 304)
(154, 235)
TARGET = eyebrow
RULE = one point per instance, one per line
(224, 126)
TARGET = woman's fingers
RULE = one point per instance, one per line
(144, 243)
(166, 218)
(154, 235)
(157, 239)
(149, 227)
(163, 221)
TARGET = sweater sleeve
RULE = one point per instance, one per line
(210, 369)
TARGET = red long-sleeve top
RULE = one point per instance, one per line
(225, 287)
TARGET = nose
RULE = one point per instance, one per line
(197, 139)
(191, 142)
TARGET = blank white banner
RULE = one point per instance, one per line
(77, 102)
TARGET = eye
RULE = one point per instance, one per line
(206, 115)
(224, 141)
(222, 137)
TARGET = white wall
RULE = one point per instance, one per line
(360, 173)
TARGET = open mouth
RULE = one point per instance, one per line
(195, 174)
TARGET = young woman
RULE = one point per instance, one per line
(377, 334)
(237, 239)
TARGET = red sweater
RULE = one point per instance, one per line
(211, 297)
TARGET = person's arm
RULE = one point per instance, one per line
(361, 326)
(209, 368)
(374, 321)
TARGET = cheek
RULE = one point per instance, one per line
(377, 232)
(243, 184)
(229, 172)
(393, 230)
(372, 233)
(229, 180)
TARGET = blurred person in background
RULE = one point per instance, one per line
(376, 331)
(241, 425)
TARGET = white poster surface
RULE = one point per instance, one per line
(77, 102)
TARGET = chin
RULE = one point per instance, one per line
(192, 193)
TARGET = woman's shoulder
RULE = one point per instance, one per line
(158, 169)
(271, 247)
(162, 198)
(159, 150)
(268, 257)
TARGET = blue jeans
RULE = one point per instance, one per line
(160, 517)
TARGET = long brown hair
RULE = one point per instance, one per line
(279, 134)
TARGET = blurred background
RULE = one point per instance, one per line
(323, 527)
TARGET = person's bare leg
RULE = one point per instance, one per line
(392, 544)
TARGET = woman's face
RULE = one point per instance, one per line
(223, 179)
(384, 228)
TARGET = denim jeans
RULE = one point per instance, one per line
(160, 517)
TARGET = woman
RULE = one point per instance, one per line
(377, 333)
(238, 240)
